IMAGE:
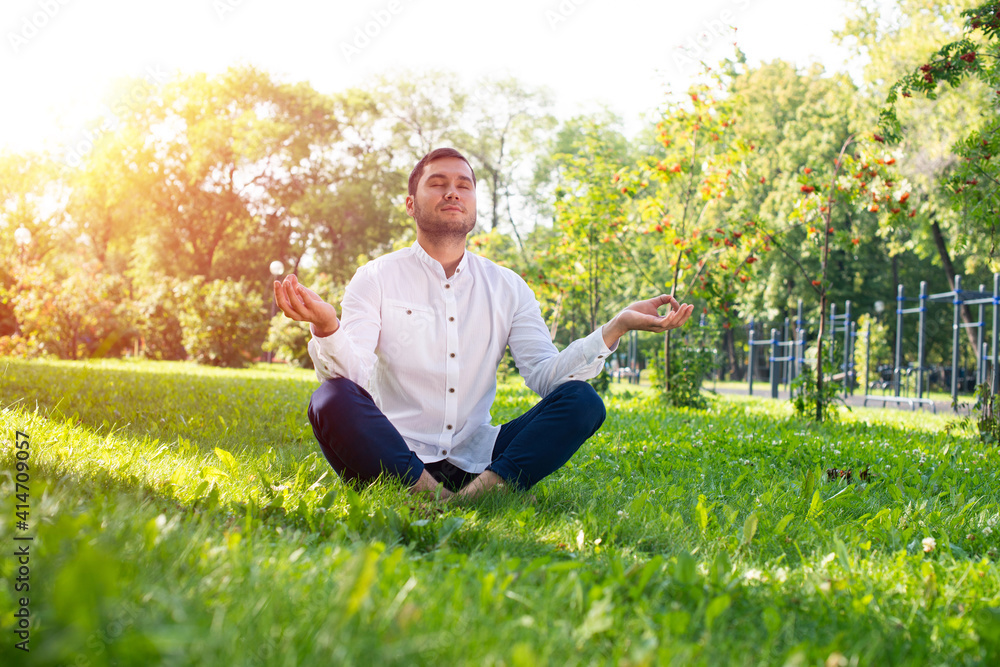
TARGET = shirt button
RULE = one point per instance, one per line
(452, 354)
(451, 390)
(447, 286)
(408, 312)
(444, 452)
(600, 356)
(451, 319)
(571, 377)
(448, 427)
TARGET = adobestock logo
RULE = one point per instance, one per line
(688, 56)
(561, 13)
(132, 99)
(224, 7)
(364, 34)
(33, 23)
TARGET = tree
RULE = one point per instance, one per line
(509, 124)
(971, 187)
(228, 157)
(895, 42)
(860, 183)
(590, 267)
(31, 197)
(692, 196)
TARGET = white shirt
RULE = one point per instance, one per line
(427, 348)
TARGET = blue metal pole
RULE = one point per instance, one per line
(899, 340)
(996, 331)
(921, 340)
(775, 373)
(955, 340)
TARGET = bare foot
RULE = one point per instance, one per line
(428, 485)
(480, 485)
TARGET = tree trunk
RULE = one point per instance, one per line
(949, 271)
(729, 341)
(819, 356)
(666, 362)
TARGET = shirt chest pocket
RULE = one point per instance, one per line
(406, 326)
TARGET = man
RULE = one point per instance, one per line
(423, 330)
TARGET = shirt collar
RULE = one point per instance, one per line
(421, 254)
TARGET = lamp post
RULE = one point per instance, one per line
(22, 237)
(276, 268)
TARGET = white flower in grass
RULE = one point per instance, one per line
(987, 531)
(929, 544)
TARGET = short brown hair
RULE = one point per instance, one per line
(435, 154)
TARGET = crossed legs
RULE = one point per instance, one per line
(360, 443)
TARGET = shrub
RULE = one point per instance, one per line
(688, 366)
(86, 314)
(805, 394)
(288, 340)
(158, 306)
(223, 322)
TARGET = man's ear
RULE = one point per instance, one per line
(409, 205)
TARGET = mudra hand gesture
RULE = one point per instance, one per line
(303, 305)
(645, 316)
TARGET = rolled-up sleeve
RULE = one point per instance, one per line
(542, 366)
(350, 351)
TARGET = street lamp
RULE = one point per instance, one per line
(276, 268)
(22, 237)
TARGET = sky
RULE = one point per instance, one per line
(58, 58)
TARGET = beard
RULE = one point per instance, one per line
(444, 224)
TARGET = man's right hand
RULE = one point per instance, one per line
(303, 305)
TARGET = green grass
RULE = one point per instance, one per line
(184, 515)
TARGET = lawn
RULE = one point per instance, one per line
(184, 516)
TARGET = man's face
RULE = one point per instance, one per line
(445, 201)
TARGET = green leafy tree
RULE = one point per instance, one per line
(591, 267)
(898, 40)
(31, 191)
(227, 156)
(971, 186)
(689, 199)
(834, 201)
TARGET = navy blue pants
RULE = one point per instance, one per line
(361, 444)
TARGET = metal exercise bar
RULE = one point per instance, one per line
(980, 360)
(900, 311)
(955, 339)
(921, 347)
(899, 341)
(996, 332)
(868, 353)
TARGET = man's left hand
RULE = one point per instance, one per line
(645, 316)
